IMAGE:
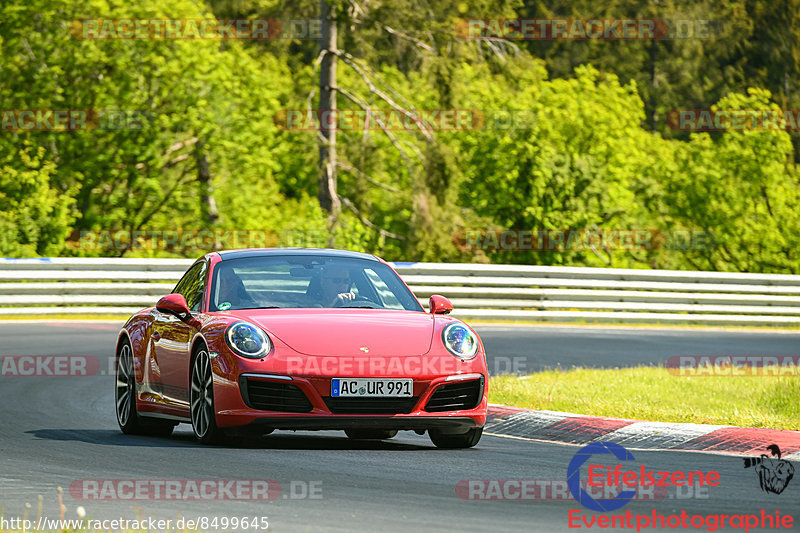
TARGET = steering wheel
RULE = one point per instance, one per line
(349, 303)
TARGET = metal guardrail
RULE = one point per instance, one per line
(478, 291)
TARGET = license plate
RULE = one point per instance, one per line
(371, 387)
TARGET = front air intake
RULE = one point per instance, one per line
(272, 396)
(456, 396)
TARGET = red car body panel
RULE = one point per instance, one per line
(311, 346)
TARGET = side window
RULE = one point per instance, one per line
(192, 286)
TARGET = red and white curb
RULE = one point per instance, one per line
(570, 428)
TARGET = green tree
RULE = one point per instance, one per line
(742, 188)
(203, 122)
(34, 218)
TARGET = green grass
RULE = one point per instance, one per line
(651, 393)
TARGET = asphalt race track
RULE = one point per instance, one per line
(57, 430)
(538, 348)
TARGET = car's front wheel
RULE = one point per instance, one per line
(201, 399)
(458, 440)
(128, 418)
(370, 434)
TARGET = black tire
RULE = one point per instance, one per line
(128, 418)
(370, 434)
(459, 440)
(201, 399)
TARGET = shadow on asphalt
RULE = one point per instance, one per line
(110, 437)
(275, 441)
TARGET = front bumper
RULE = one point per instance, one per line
(232, 409)
(454, 424)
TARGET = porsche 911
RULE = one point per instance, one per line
(258, 340)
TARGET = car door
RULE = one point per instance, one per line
(172, 339)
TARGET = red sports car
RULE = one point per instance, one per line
(255, 340)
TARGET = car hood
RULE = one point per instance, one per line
(348, 332)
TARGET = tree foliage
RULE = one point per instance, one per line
(567, 134)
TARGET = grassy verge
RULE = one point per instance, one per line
(650, 393)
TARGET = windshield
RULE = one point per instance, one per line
(307, 281)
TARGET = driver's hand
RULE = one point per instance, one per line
(343, 297)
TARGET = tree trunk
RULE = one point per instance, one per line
(653, 85)
(328, 198)
(208, 207)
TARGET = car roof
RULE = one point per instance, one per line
(263, 252)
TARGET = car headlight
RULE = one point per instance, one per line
(247, 340)
(460, 341)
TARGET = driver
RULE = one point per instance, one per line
(336, 286)
(232, 293)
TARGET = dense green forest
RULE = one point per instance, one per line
(561, 134)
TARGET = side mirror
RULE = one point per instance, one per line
(175, 304)
(439, 305)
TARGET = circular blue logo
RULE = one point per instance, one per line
(574, 477)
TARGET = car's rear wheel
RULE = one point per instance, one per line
(370, 434)
(201, 399)
(458, 440)
(129, 420)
